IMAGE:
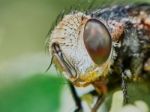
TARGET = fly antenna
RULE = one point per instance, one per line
(50, 64)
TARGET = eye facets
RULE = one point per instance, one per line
(97, 41)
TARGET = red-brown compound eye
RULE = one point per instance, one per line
(97, 41)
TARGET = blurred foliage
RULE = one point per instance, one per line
(39, 93)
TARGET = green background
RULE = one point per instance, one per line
(24, 24)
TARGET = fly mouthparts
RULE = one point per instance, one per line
(68, 69)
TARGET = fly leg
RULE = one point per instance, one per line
(101, 88)
(76, 99)
(124, 88)
(98, 103)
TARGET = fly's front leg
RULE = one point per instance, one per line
(98, 103)
(101, 88)
(76, 99)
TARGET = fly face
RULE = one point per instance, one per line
(82, 48)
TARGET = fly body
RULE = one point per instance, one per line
(103, 46)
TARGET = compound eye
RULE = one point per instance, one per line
(97, 41)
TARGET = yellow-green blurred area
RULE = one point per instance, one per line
(24, 87)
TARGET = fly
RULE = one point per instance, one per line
(103, 47)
